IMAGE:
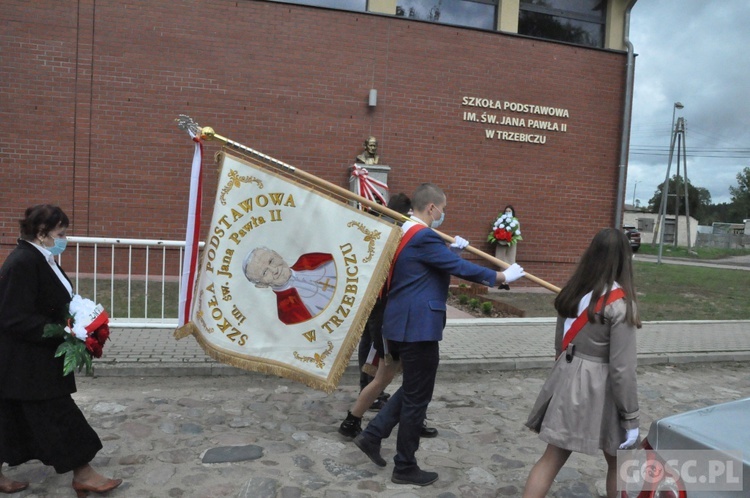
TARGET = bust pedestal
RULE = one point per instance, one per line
(378, 172)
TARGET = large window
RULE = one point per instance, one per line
(574, 21)
(355, 5)
(473, 13)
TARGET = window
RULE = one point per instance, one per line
(355, 5)
(473, 13)
(574, 21)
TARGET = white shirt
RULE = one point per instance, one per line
(51, 261)
(582, 307)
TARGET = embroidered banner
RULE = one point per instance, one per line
(288, 276)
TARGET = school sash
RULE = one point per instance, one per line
(583, 318)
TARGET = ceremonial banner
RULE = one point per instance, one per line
(287, 277)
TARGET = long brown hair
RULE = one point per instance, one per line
(607, 260)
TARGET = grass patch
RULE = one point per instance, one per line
(678, 292)
(144, 302)
(667, 292)
(708, 253)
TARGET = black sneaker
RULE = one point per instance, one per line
(379, 402)
(351, 426)
(372, 450)
(417, 477)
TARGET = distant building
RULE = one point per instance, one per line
(647, 224)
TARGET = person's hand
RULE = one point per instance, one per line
(630, 438)
(459, 244)
(513, 273)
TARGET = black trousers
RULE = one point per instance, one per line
(408, 405)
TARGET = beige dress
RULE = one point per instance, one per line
(587, 405)
(506, 253)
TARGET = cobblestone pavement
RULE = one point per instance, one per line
(160, 432)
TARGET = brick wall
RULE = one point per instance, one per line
(90, 91)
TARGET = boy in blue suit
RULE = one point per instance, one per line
(413, 324)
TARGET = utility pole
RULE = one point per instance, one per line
(678, 138)
(659, 226)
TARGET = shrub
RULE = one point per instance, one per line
(463, 299)
(474, 303)
(487, 307)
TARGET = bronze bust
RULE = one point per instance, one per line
(370, 154)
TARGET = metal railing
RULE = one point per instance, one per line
(136, 280)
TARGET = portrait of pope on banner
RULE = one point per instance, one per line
(303, 290)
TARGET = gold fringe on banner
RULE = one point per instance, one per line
(348, 344)
(346, 350)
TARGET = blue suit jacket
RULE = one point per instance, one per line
(419, 288)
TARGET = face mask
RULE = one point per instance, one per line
(439, 221)
(59, 247)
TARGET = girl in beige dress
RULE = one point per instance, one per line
(590, 399)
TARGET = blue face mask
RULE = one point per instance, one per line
(439, 221)
(59, 247)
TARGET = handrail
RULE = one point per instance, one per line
(135, 269)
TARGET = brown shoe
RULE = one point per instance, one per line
(9, 486)
(82, 490)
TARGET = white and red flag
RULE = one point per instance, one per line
(287, 277)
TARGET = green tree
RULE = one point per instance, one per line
(698, 197)
(741, 196)
(717, 212)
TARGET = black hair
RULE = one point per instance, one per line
(41, 219)
(400, 203)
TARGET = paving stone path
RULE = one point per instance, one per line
(253, 436)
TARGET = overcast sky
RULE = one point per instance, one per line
(696, 52)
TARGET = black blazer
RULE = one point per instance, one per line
(31, 296)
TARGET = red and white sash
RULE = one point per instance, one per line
(573, 325)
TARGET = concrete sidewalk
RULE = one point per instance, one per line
(468, 344)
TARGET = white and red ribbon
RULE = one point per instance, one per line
(190, 263)
(367, 187)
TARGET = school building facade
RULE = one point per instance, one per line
(497, 101)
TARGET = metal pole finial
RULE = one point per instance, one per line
(186, 123)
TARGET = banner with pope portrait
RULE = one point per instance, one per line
(287, 277)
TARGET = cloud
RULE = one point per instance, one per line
(697, 53)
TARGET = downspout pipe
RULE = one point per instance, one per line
(626, 116)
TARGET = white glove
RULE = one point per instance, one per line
(513, 273)
(630, 438)
(459, 243)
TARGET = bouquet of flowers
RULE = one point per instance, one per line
(85, 332)
(506, 230)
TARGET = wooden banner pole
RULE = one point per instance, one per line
(207, 133)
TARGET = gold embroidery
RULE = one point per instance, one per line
(370, 237)
(316, 358)
(236, 181)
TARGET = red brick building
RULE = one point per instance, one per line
(90, 91)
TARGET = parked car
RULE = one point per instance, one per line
(673, 447)
(634, 236)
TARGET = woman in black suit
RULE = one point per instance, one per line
(38, 417)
